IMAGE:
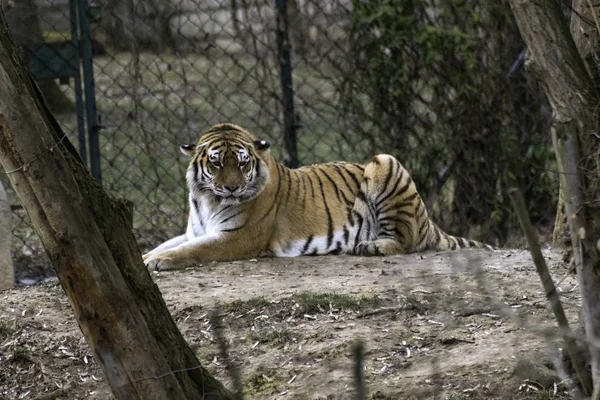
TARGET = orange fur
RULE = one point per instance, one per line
(245, 205)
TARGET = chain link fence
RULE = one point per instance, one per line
(434, 93)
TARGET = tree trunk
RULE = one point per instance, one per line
(7, 275)
(554, 60)
(585, 36)
(88, 239)
(24, 26)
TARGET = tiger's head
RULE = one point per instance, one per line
(229, 163)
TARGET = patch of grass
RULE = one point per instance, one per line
(311, 302)
(243, 306)
(5, 329)
(263, 381)
(22, 354)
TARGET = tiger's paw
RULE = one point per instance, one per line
(379, 247)
(163, 262)
(368, 248)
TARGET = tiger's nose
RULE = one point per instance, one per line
(231, 188)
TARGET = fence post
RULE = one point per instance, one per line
(285, 72)
(90, 96)
(78, 91)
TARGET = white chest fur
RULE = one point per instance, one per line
(209, 218)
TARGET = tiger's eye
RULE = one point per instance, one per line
(216, 164)
(242, 164)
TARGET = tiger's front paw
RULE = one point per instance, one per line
(162, 262)
(368, 248)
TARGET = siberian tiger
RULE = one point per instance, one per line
(244, 204)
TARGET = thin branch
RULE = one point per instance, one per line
(550, 289)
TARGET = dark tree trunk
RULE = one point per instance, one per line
(87, 236)
(554, 60)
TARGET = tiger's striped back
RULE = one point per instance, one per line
(350, 208)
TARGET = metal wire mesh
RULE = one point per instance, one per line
(166, 70)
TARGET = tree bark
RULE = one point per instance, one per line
(554, 60)
(87, 236)
(7, 275)
(586, 37)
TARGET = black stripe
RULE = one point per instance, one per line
(311, 184)
(335, 186)
(361, 196)
(405, 188)
(473, 243)
(195, 166)
(205, 173)
(337, 250)
(354, 178)
(376, 161)
(396, 233)
(422, 227)
(340, 171)
(346, 235)
(256, 167)
(438, 236)
(278, 180)
(388, 178)
(232, 216)
(302, 176)
(220, 211)
(349, 216)
(237, 228)
(359, 227)
(412, 196)
(393, 191)
(407, 213)
(306, 245)
(453, 244)
(328, 212)
(463, 242)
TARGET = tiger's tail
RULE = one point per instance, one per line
(439, 240)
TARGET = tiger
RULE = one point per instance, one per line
(243, 204)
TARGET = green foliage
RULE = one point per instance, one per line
(429, 84)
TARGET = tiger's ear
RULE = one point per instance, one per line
(261, 144)
(188, 149)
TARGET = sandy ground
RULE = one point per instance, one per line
(432, 327)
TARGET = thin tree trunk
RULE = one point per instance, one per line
(7, 276)
(87, 236)
(554, 60)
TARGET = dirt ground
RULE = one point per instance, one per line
(449, 325)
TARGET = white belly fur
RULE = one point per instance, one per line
(318, 246)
